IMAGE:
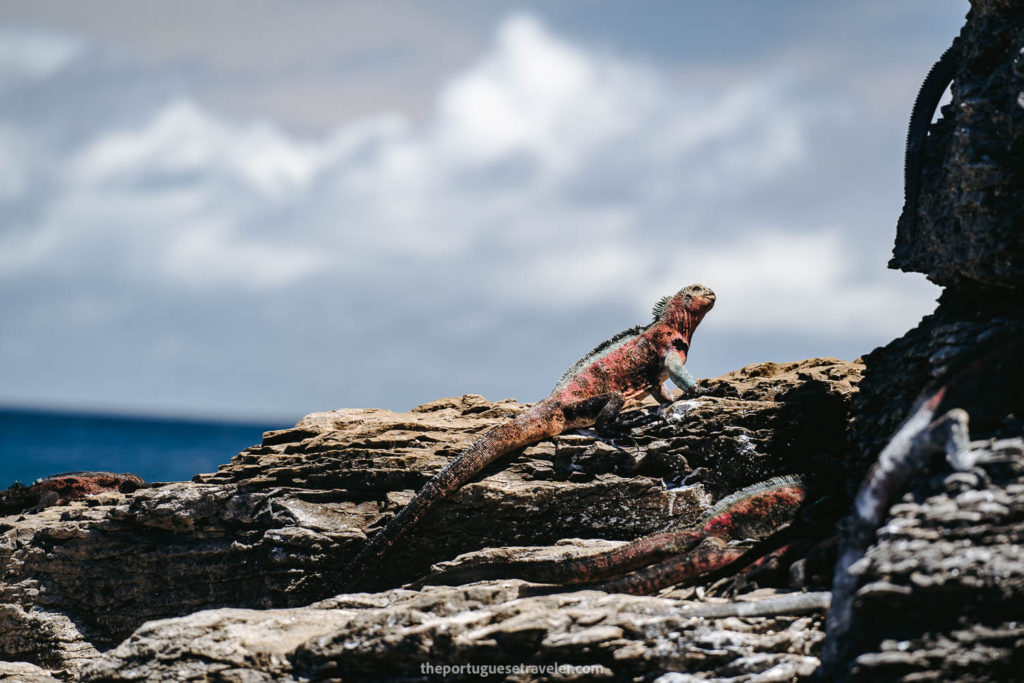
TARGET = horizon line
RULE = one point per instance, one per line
(157, 415)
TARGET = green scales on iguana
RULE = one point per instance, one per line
(631, 365)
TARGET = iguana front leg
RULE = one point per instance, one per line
(680, 376)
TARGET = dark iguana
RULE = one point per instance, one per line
(630, 365)
(987, 390)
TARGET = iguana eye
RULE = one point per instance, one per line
(681, 345)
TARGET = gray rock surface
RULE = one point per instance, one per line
(942, 589)
(271, 529)
(21, 672)
(394, 635)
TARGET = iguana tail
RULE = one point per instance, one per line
(544, 420)
(579, 569)
(934, 85)
(756, 510)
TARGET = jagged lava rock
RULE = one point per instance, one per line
(942, 589)
(969, 230)
(272, 528)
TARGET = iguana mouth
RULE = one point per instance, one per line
(701, 292)
(706, 293)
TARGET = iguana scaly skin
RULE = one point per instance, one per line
(630, 365)
(664, 559)
(755, 512)
(935, 83)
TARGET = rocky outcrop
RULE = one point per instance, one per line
(63, 488)
(941, 587)
(968, 231)
(410, 635)
(271, 529)
(898, 372)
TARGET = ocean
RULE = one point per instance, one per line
(37, 443)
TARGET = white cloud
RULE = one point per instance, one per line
(34, 55)
(207, 255)
(184, 139)
(537, 95)
(496, 165)
(547, 177)
(773, 283)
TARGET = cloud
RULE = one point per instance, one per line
(514, 158)
(183, 139)
(548, 179)
(34, 55)
(539, 96)
(773, 282)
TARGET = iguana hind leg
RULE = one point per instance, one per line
(598, 410)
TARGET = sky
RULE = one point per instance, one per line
(263, 209)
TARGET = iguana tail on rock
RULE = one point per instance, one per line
(935, 83)
(632, 364)
(756, 511)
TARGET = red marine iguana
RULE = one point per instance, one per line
(59, 489)
(654, 562)
(631, 365)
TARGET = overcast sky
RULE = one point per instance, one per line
(262, 209)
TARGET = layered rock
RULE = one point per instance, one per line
(408, 635)
(943, 586)
(271, 528)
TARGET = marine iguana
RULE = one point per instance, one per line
(649, 564)
(58, 489)
(631, 365)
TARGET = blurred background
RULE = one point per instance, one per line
(216, 217)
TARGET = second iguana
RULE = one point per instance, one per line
(631, 365)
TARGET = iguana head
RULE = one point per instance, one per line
(686, 307)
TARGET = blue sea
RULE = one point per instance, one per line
(36, 443)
